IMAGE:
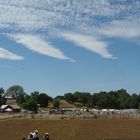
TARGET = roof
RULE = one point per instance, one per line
(15, 106)
(3, 106)
(12, 106)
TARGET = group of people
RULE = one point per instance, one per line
(35, 136)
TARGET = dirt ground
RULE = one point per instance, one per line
(121, 129)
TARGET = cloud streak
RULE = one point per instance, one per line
(104, 18)
(89, 43)
(39, 45)
(5, 54)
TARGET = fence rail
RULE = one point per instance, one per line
(68, 116)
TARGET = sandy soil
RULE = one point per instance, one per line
(121, 129)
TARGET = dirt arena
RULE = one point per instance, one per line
(123, 129)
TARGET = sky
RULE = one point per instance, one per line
(61, 46)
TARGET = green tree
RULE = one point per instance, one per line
(56, 103)
(139, 106)
(2, 99)
(123, 98)
(21, 99)
(113, 99)
(133, 101)
(102, 100)
(82, 97)
(41, 98)
(15, 91)
(30, 104)
(2, 91)
(112, 102)
(69, 97)
(59, 97)
(35, 96)
(50, 98)
(89, 101)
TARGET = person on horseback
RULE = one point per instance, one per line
(30, 137)
(46, 136)
(36, 135)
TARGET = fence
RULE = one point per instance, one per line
(86, 115)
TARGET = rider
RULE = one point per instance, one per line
(36, 135)
(46, 136)
(30, 137)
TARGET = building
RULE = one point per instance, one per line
(10, 108)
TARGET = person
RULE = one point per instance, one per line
(46, 136)
(36, 135)
(30, 137)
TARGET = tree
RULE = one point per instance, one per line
(59, 97)
(2, 91)
(30, 104)
(35, 95)
(56, 103)
(133, 101)
(41, 98)
(15, 91)
(89, 101)
(69, 97)
(2, 99)
(123, 98)
(101, 100)
(21, 99)
(82, 97)
(113, 99)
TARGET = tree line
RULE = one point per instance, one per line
(119, 99)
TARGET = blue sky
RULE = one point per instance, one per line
(60, 46)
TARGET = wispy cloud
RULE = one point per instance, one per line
(33, 15)
(39, 45)
(89, 43)
(106, 18)
(5, 54)
(122, 29)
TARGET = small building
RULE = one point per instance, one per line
(10, 108)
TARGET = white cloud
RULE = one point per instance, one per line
(5, 54)
(123, 29)
(39, 14)
(19, 17)
(107, 18)
(89, 43)
(39, 45)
